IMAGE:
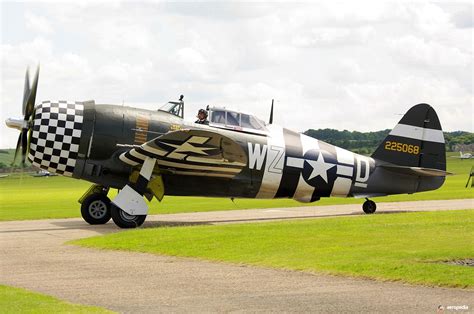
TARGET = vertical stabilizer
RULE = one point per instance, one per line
(416, 141)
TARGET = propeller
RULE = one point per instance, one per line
(28, 107)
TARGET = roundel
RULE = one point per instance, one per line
(319, 169)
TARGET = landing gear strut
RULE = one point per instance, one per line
(369, 206)
(129, 209)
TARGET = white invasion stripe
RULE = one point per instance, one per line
(295, 162)
(153, 150)
(304, 191)
(344, 156)
(345, 170)
(197, 167)
(127, 161)
(341, 187)
(362, 185)
(274, 163)
(418, 133)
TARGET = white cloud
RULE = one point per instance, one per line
(418, 51)
(324, 36)
(430, 18)
(464, 17)
(38, 24)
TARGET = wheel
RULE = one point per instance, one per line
(369, 207)
(95, 209)
(124, 220)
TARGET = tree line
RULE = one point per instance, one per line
(367, 142)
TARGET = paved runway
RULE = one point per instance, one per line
(34, 256)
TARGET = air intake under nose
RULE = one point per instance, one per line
(56, 136)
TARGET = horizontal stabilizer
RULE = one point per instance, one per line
(417, 171)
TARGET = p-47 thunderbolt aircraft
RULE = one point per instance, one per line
(146, 153)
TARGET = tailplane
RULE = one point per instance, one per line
(417, 141)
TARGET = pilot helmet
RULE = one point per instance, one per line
(202, 111)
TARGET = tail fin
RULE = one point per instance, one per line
(416, 141)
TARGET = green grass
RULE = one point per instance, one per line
(26, 197)
(16, 300)
(395, 247)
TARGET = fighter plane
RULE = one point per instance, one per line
(463, 156)
(148, 153)
(43, 173)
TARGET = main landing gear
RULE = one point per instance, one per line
(95, 205)
(129, 209)
(124, 220)
(369, 206)
(97, 209)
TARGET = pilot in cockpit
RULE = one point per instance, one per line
(202, 117)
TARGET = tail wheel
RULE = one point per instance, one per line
(369, 207)
(95, 209)
(125, 220)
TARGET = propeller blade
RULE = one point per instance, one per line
(30, 132)
(26, 90)
(18, 144)
(32, 97)
(24, 145)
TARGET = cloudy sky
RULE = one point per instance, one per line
(343, 65)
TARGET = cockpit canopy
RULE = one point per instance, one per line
(234, 120)
(220, 117)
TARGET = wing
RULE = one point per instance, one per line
(191, 152)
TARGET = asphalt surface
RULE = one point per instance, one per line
(34, 256)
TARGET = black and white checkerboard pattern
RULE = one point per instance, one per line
(56, 136)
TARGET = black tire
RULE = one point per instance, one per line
(369, 207)
(124, 220)
(95, 209)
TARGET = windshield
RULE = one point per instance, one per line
(251, 122)
(175, 108)
(236, 120)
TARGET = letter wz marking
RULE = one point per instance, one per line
(256, 156)
(276, 153)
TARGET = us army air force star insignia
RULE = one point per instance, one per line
(320, 167)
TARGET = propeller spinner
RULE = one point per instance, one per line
(24, 125)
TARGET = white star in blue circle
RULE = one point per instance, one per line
(320, 168)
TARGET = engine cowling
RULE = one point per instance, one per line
(56, 135)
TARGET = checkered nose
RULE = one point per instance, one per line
(56, 136)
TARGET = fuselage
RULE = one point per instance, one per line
(280, 163)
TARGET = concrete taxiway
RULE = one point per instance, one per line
(34, 256)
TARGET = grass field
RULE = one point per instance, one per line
(26, 197)
(397, 247)
(16, 300)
